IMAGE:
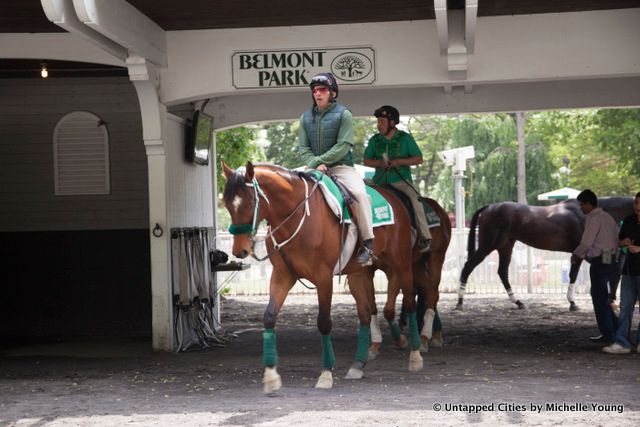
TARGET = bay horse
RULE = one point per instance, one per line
(304, 241)
(427, 273)
(557, 227)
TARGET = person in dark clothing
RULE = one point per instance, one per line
(630, 287)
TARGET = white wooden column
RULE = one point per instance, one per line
(145, 78)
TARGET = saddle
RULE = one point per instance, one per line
(381, 210)
(382, 213)
(432, 217)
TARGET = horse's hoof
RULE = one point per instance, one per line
(402, 342)
(424, 344)
(520, 305)
(374, 351)
(272, 381)
(573, 306)
(436, 342)
(325, 381)
(459, 306)
(354, 374)
(415, 361)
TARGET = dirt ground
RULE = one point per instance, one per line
(527, 367)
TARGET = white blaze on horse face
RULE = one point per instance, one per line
(237, 201)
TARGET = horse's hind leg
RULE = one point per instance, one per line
(503, 271)
(361, 287)
(325, 293)
(280, 285)
(429, 280)
(403, 279)
(477, 257)
(573, 275)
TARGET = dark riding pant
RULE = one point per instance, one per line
(600, 274)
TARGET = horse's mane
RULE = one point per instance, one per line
(237, 180)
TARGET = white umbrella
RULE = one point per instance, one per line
(561, 194)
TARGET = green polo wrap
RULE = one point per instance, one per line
(414, 336)
(364, 340)
(395, 329)
(269, 352)
(437, 323)
(328, 357)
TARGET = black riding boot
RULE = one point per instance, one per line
(365, 253)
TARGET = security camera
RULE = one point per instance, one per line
(457, 157)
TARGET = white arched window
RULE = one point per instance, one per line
(81, 155)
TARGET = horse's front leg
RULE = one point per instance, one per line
(571, 289)
(324, 288)
(280, 285)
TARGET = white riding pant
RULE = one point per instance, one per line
(351, 179)
(418, 210)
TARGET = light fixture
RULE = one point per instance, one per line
(43, 71)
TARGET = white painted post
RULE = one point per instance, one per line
(522, 185)
(145, 79)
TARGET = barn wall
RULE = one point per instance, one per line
(72, 265)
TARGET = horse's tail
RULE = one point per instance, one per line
(471, 243)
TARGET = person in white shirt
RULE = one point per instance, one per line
(599, 245)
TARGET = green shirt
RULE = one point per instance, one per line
(338, 151)
(401, 145)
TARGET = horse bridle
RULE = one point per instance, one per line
(252, 228)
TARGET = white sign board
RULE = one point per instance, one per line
(295, 68)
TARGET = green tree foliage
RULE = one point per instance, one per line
(282, 144)
(235, 147)
(600, 145)
(432, 134)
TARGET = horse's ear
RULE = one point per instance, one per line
(227, 170)
(248, 175)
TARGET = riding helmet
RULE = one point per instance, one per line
(388, 112)
(325, 79)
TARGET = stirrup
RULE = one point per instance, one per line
(365, 256)
(424, 245)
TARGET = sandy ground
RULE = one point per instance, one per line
(499, 366)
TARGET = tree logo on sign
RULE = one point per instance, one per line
(351, 66)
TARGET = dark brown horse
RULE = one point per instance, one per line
(304, 241)
(554, 228)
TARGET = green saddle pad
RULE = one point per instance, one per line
(432, 217)
(380, 209)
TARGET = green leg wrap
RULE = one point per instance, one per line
(414, 337)
(437, 323)
(328, 357)
(395, 330)
(364, 340)
(269, 352)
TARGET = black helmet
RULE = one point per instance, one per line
(388, 112)
(325, 79)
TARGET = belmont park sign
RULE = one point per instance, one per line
(295, 68)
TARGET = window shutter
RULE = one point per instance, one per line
(81, 155)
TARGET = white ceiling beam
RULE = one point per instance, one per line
(470, 21)
(440, 8)
(125, 25)
(62, 13)
(457, 63)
